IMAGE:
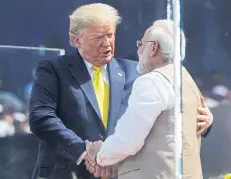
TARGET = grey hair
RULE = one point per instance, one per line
(91, 14)
(163, 32)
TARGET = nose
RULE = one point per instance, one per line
(106, 42)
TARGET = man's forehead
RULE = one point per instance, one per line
(94, 29)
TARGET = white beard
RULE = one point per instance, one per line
(143, 66)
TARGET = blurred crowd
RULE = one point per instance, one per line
(13, 115)
(216, 91)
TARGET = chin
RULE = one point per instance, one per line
(107, 59)
(143, 69)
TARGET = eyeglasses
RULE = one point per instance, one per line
(139, 43)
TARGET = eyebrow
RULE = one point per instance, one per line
(99, 36)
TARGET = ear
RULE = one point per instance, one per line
(154, 49)
(76, 42)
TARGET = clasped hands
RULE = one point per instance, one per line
(92, 148)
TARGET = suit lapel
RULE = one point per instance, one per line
(80, 73)
(116, 76)
(117, 81)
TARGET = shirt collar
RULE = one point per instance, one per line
(89, 65)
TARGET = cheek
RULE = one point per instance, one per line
(88, 45)
(93, 48)
(139, 51)
(112, 43)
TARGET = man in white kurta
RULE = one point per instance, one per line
(152, 94)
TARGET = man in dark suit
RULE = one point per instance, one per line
(80, 97)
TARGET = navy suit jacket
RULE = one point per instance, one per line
(64, 112)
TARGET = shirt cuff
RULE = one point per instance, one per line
(80, 159)
(103, 161)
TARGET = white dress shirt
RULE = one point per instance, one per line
(152, 93)
(92, 72)
(105, 78)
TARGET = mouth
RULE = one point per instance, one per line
(106, 53)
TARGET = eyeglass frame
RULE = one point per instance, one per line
(139, 43)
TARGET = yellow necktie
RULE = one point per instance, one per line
(102, 94)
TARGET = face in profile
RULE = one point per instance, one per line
(149, 52)
(96, 44)
(144, 54)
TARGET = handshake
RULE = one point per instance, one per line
(92, 148)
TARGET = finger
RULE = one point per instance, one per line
(92, 169)
(203, 102)
(108, 171)
(114, 171)
(92, 162)
(88, 167)
(103, 172)
(203, 111)
(86, 163)
(201, 124)
(202, 118)
(97, 171)
(199, 132)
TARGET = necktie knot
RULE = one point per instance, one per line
(97, 69)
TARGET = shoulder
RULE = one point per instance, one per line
(126, 63)
(129, 67)
(153, 79)
(55, 62)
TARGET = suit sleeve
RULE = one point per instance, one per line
(43, 120)
(205, 134)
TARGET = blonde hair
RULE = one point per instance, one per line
(166, 38)
(92, 14)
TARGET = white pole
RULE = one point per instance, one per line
(169, 9)
(178, 92)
